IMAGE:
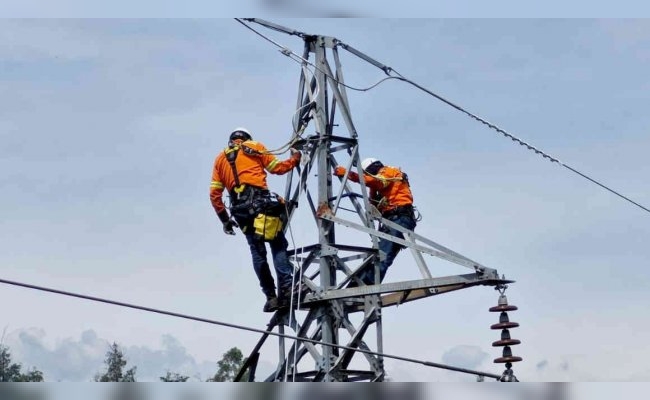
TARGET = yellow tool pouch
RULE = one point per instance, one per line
(267, 226)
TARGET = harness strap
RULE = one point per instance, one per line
(231, 156)
(403, 178)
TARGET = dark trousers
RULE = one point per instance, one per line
(283, 267)
(388, 250)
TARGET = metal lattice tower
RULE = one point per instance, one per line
(327, 267)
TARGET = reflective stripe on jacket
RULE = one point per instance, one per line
(388, 184)
(251, 168)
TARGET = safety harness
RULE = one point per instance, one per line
(231, 156)
(380, 201)
(252, 204)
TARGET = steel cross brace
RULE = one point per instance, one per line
(327, 215)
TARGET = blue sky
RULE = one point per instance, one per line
(109, 129)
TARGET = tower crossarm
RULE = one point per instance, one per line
(433, 285)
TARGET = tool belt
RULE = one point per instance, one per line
(246, 202)
(399, 211)
(259, 211)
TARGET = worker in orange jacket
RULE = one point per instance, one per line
(391, 193)
(241, 169)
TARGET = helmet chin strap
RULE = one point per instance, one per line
(234, 142)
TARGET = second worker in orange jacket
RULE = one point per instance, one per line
(391, 193)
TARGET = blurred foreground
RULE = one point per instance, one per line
(320, 391)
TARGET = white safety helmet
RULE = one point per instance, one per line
(367, 162)
(239, 133)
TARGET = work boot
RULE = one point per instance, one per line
(284, 298)
(271, 304)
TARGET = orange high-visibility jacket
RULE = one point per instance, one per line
(389, 184)
(250, 169)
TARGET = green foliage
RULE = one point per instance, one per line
(229, 365)
(115, 363)
(32, 375)
(174, 377)
(11, 372)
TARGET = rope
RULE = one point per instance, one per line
(293, 284)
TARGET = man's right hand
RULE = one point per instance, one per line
(228, 227)
(295, 154)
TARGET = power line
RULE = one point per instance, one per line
(388, 70)
(522, 143)
(300, 60)
(246, 328)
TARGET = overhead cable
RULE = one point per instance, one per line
(521, 142)
(246, 328)
(388, 70)
(299, 59)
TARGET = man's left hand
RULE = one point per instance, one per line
(228, 227)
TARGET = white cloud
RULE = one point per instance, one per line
(627, 30)
(79, 360)
(464, 356)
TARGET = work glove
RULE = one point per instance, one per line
(228, 223)
(295, 154)
(339, 171)
(228, 227)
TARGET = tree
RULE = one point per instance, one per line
(174, 377)
(11, 372)
(229, 365)
(115, 363)
(32, 375)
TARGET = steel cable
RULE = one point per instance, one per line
(246, 328)
(388, 70)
